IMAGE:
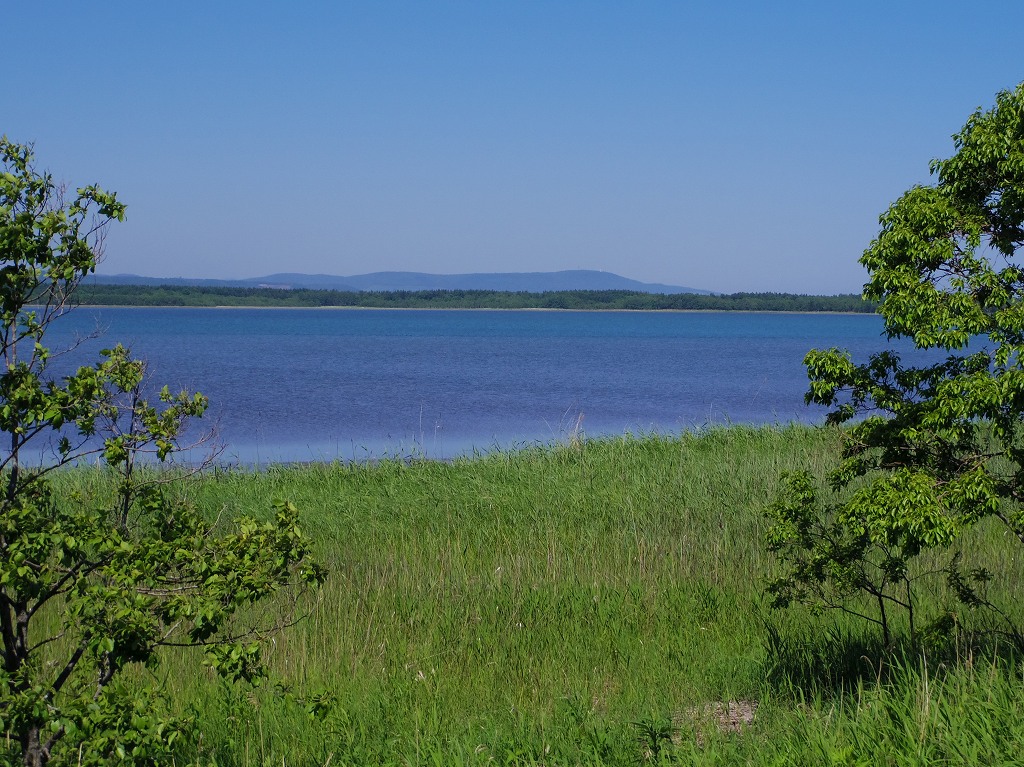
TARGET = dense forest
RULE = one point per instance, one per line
(180, 295)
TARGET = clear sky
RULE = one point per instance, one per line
(720, 145)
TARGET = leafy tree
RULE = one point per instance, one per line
(93, 585)
(932, 448)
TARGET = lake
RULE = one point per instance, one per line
(322, 385)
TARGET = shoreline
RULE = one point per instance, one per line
(475, 309)
(242, 458)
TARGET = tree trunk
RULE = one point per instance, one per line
(32, 748)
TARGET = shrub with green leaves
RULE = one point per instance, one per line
(933, 448)
(92, 585)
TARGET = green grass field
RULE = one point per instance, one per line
(597, 603)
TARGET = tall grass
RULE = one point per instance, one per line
(565, 605)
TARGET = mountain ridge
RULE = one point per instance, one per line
(528, 282)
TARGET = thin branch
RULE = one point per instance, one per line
(67, 671)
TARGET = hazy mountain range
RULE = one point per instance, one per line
(530, 282)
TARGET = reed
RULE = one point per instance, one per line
(574, 604)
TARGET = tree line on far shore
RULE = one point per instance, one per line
(183, 295)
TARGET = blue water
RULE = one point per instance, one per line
(300, 385)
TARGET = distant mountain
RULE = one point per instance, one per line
(529, 282)
(137, 279)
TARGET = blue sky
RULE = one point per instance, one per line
(727, 146)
